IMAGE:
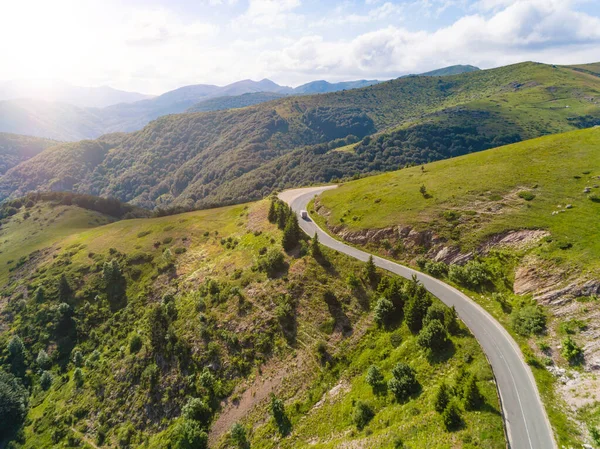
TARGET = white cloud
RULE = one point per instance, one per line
(263, 14)
(156, 49)
(540, 30)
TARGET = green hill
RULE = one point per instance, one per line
(526, 215)
(155, 332)
(223, 157)
(233, 102)
(15, 149)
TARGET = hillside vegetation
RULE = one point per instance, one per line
(223, 157)
(145, 332)
(517, 228)
(15, 149)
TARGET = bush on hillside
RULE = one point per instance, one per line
(362, 414)
(13, 404)
(272, 263)
(433, 337)
(189, 435)
(384, 312)
(451, 416)
(529, 320)
(403, 383)
(375, 379)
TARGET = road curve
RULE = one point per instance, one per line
(525, 418)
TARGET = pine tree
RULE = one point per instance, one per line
(371, 270)
(472, 396)
(451, 416)
(375, 379)
(291, 233)
(282, 215)
(272, 212)
(40, 295)
(415, 310)
(442, 398)
(115, 284)
(16, 351)
(64, 289)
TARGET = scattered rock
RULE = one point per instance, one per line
(569, 206)
(587, 190)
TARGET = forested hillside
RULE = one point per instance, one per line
(218, 326)
(223, 157)
(15, 149)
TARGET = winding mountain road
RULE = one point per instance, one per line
(526, 422)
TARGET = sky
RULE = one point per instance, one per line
(153, 46)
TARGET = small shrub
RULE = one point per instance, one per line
(526, 195)
(442, 398)
(451, 416)
(564, 245)
(571, 351)
(77, 358)
(403, 382)
(239, 437)
(436, 269)
(395, 339)
(167, 240)
(43, 360)
(433, 337)
(384, 312)
(353, 281)
(197, 410)
(362, 415)
(375, 378)
(529, 320)
(78, 377)
(189, 435)
(272, 262)
(179, 250)
(46, 380)
(143, 233)
(135, 343)
(472, 397)
(281, 420)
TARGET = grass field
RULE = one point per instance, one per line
(467, 199)
(44, 226)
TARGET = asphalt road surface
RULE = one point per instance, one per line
(525, 419)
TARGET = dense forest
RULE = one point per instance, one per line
(15, 149)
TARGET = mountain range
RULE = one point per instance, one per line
(61, 92)
(212, 158)
(57, 117)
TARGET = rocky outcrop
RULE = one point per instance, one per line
(514, 239)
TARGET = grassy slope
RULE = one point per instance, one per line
(482, 190)
(46, 225)
(124, 402)
(555, 169)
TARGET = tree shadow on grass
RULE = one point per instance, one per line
(442, 355)
(336, 311)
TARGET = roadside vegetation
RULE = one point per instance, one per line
(460, 231)
(140, 333)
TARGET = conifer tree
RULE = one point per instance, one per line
(272, 216)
